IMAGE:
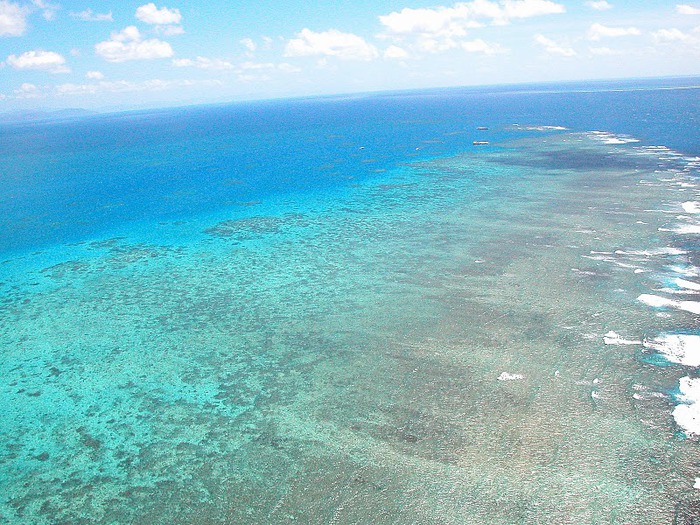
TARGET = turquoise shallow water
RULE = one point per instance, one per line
(424, 343)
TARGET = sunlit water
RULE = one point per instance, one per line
(361, 321)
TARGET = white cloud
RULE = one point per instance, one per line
(12, 19)
(685, 9)
(49, 10)
(256, 66)
(125, 86)
(330, 43)
(27, 87)
(129, 45)
(89, 16)
(262, 71)
(203, 63)
(246, 71)
(434, 45)
(27, 90)
(530, 8)
(479, 46)
(553, 48)
(249, 45)
(599, 31)
(150, 14)
(434, 30)
(395, 52)
(94, 75)
(663, 36)
(449, 22)
(599, 5)
(39, 60)
(446, 22)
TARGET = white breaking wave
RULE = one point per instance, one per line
(688, 285)
(681, 349)
(613, 338)
(691, 207)
(683, 229)
(611, 138)
(543, 128)
(688, 271)
(506, 376)
(652, 253)
(687, 414)
(661, 302)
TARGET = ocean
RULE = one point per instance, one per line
(454, 306)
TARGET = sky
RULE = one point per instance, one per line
(119, 54)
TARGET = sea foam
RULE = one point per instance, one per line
(683, 229)
(611, 138)
(661, 302)
(682, 349)
(691, 207)
(506, 376)
(688, 271)
(688, 285)
(613, 338)
(687, 414)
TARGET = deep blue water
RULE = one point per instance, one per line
(65, 181)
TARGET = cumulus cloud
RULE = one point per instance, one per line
(94, 75)
(12, 19)
(553, 48)
(150, 14)
(599, 31)
(165, 20)
(685, 9)
(331, 43)
(89, 16)
(433, 30)
(454, 21)
(599, 5)
(39, 60)
(528, 8)
(128, 44)
(203, 63)
(443, 22)
(663, 36)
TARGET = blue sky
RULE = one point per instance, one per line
(123, 54)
